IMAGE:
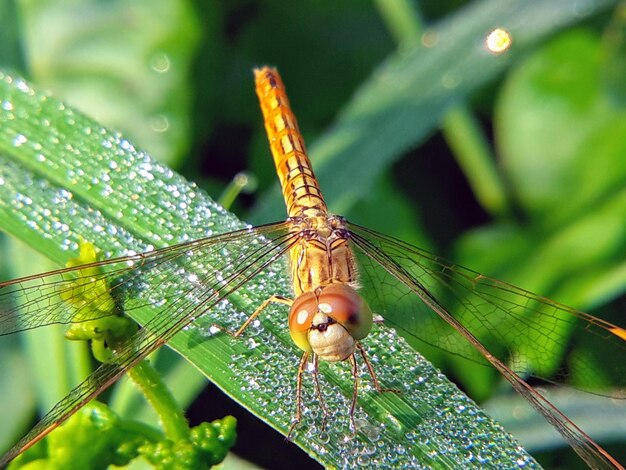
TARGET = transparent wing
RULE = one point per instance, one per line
(491, 322)
(527, 332)
(181, 283)
(75, 294)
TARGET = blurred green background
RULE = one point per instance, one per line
(513, 164)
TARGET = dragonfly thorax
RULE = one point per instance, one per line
(329, 321)
(322, 255)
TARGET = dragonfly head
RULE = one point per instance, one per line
(329, 321)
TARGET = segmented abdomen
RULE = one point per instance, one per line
(300, 189)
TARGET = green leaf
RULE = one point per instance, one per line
(562, 140)
(406, 97)
(97, 431)
(559, 130)
(608, 422)
(127, 65)
(23, 402)
(63, 176)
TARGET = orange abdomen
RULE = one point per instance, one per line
(300, 189)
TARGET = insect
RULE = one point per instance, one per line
(330, 259)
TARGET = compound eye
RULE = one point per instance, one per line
(345, 306)
(301, 316)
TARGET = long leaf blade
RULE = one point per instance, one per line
(63, 177)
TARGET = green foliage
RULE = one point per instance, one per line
(559, 127)
(91, 291)
(559, 131)
(207, 445)
(97, 438)
(258, 372)
(123, 62)
(95, 430)
(562, 143)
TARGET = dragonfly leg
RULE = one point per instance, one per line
(372, 373)
(355, 391)
(278, 299)
(301, 367)
(318, 390)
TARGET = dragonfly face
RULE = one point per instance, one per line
(328, 321)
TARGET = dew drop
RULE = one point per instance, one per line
(160, 62)
(498, 41)
(159, 123)
(450, 80)
(19, 140)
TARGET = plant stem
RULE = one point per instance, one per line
(459, 127)
(162, 401)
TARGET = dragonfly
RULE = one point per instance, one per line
(342, 275)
